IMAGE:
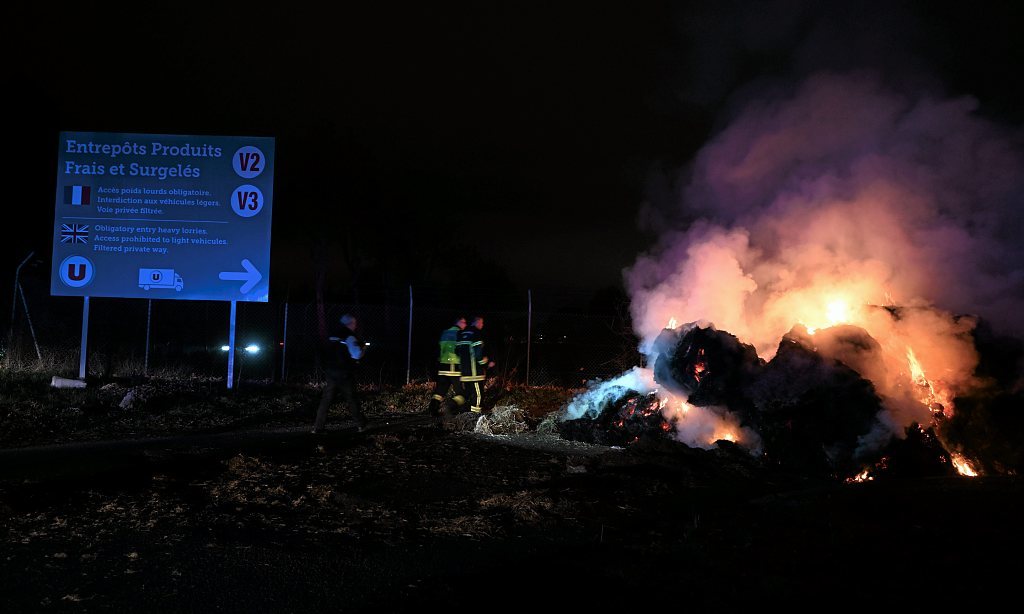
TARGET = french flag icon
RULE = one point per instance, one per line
(77, 194)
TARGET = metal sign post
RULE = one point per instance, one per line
(83, 353)
(231, 347)
(149, 317)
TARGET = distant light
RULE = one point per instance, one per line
(225, 348)
(252, 349)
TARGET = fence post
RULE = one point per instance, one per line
(28, 318)
(284, 341)
(14, 299)
(408, 355)
(529, 331)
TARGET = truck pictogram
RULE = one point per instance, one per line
(160, 278)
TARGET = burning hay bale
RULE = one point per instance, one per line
(988, 425)
(918, 454)
(809, 408)
(705, 365)
(813, 408)
(991, 427)
(850, 345)
(619, 421)
(811, 411)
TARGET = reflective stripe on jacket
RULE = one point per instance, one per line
(448, 355)
(470, 348)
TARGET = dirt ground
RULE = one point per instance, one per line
(252, 513)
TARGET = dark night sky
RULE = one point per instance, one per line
(515, 141)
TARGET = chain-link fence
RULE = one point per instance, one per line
(278, 341)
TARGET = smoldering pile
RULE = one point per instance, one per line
(621, 419)
(810, 408)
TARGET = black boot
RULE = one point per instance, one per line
(455, 405)
(434, 409)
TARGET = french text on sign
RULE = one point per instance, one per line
(196, 207)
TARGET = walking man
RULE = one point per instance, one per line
(342, 352)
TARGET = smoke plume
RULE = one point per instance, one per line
(845, 202)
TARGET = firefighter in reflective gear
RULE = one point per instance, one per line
(473, 362)
(448, 369)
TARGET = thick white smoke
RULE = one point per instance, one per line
(827, 205)
(699, 427)
(599, 394)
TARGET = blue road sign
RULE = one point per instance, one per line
(163, 216)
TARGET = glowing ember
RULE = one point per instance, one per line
(671, 323)
(700, 368)
(863, 476)
(963, 466)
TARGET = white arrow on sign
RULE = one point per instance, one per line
(250, 275)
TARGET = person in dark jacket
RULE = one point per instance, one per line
(341, 353)
(473, 363)
(448, 370)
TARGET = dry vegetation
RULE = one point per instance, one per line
(416, 516)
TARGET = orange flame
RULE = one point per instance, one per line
(963, 466)
(699, 367)
(728, 436)
(837, 311)
(681, 411)
(939, 401)
(863, 476)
